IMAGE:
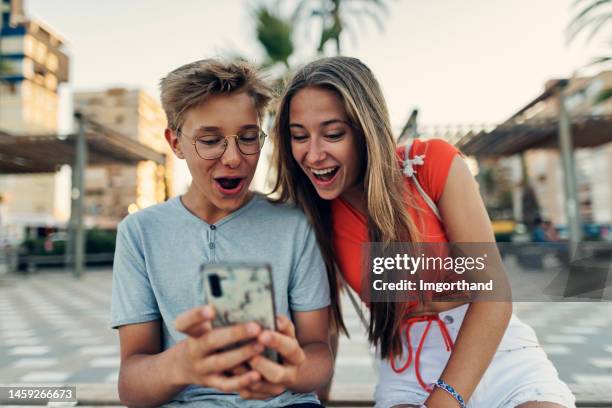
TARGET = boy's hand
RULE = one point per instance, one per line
(201, 364)
(276, 377)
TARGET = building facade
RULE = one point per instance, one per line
(593, 165)
(34, 65)
(114, 190)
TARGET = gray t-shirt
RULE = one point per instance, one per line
(157, 261)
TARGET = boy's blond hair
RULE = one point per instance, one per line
(189, 85)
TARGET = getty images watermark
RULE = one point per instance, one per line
(486, 272)
(413, 264)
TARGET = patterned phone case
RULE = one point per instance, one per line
(241, 293)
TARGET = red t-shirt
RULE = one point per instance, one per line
(350, 226)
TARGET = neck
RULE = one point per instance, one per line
(194, 201)
(356, 198)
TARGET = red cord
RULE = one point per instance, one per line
(448, 342)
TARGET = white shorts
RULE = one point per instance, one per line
(519, 372)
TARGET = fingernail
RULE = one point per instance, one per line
(252, 328)
(265, 338)
(258, 348)
(206, 312)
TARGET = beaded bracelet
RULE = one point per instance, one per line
(441, 384)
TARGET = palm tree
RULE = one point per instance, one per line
(338, 16)
(592, 16)
(275, 34)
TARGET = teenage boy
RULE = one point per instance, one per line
(170, 354)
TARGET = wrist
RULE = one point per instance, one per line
(446, 390)
(180, 374)
(316, 370)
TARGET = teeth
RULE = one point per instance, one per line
(323, 171)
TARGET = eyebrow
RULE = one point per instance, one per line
(324, 123)
(217, 128)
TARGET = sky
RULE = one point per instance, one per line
(460, 63)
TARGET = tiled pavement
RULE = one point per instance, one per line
(54, 329)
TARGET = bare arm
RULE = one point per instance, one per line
(466, 220)
(146, 375)
(312, 330)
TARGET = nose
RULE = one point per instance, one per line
(232, 155)
(315, 151)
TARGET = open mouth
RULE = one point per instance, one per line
(325, 174)
(229, 185)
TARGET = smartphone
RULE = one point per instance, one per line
(240, 293)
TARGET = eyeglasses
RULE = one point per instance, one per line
(211, 145)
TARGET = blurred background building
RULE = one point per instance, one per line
(113, 190)
(35, 65)
(520, 167)
(593, 165)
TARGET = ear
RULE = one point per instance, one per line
(174, 142)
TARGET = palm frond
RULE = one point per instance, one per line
(588, 9)
(596, 22)
(600, 60)
(335, 17)
(275, 34)
(329, 33)
(603, 96)
(587, 16)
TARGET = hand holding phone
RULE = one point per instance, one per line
(200, 362)
(276, 377)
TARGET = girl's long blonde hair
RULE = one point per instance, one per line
(382, 179)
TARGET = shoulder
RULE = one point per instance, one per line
(436, 148)
(432, 150)
(285, 221)
(281, 212)
(149, 216)
(431, 162)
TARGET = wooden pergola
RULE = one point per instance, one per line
(93, 144)
(46, 153)
(524, 131)
(513, 138)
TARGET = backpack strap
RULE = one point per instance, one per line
(410, 172)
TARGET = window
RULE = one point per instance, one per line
(52, 62)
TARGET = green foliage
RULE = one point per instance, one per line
(331, 33)
(603, 96)
(97, 241)
(339, 16)
(275, 34)
(496, 189)
(591, 17)
(100, 241)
